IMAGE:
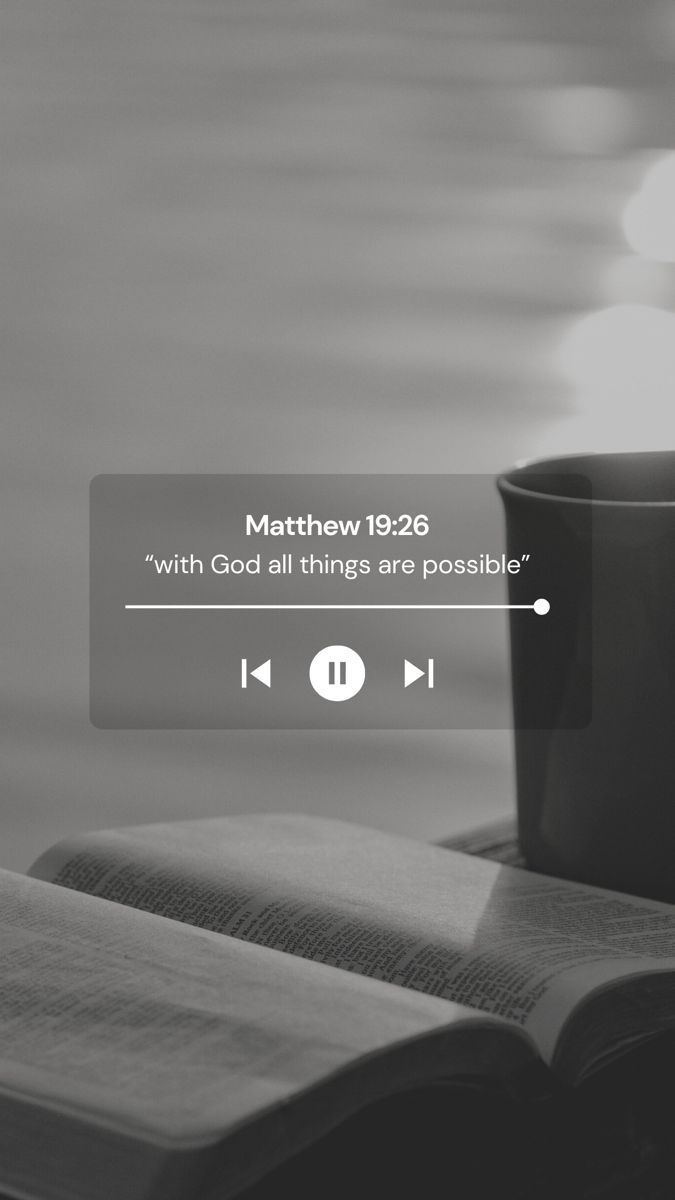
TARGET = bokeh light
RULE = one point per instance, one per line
(649, 217)
(621, 361)
(631, 279)
(626, 351)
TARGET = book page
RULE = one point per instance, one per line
(511, 943)
(140, 1024)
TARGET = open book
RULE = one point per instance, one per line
(257, 980)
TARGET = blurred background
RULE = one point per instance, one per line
(306, 235)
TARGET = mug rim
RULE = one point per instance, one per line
(508, 485)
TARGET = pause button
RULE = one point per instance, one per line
(337, 673)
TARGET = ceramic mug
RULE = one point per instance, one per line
(593, 680)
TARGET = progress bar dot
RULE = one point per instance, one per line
(541, 607)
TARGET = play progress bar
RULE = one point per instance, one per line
(540, 607)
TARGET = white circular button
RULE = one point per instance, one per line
(337, 673)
